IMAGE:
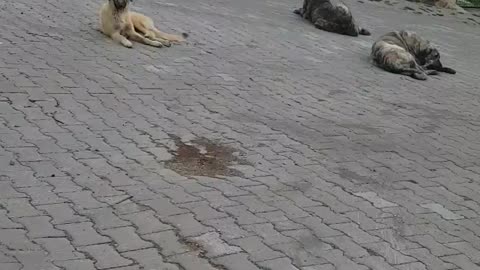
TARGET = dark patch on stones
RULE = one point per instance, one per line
(203, 157)
(372, 252)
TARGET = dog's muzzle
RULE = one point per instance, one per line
(120, 4)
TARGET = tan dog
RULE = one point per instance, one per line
(122, 25)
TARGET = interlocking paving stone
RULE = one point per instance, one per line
(340, 165)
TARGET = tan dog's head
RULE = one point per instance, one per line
(120, 4)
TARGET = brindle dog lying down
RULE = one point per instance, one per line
(331, 16)
(406, 53)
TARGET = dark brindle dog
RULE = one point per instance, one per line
(331, 16)
(406, 53)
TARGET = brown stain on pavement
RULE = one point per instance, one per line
(203, 157)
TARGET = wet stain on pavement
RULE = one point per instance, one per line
(203, 157)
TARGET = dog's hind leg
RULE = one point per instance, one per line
(326, 25)
(447, 70)
(169, 37)
(121, 39)
(139, 38)
(414, 73)
(151, 35)
(418, 75)
(143, 27)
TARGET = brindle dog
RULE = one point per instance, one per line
(332, 16)
(406, 53)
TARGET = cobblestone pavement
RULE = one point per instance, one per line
(263, 143)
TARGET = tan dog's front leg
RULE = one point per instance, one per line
(139, 38)
(121, 39)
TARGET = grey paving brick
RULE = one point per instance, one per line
(105, 218)
(268, 233)
(61, 213)
(327, 215)
(375, 263)
(15, 239)
(19, 207)
(203, 211)
(280, 264)
(126, 239)
(351, 249)
(319, 267)
(169, 243)
(467, 249)
(424, 256)
(299, 199)
(11, 266)
(7, 223)
(318, 227)
(164, 208)
(216, 199)
(62, 184)
(300, 254)
(146, 222)
(228, 228)
(83, 234)
(40, 227)
(242, 215)
(384, 250)
(34, 260)
(236, 262)
(256, 249)
(8, 192)
(150, 259)
(188, 225)
(178, 195)
(358, 235)
(341, 262)
(42, 195)
(226, 188)
(461, 261)
(191, 261)
(441, 210)
(83, 264)
(435, 248)
(83, 200)
(106, 256)
(375, 199)
(214, 245)
(59, 249)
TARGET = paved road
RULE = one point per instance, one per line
(261, 144)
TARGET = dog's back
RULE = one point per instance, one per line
(331, 15)
(389, 53)
(397, 52)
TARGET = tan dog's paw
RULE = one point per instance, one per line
(127, 43)
(166, 43)
(156, 43)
